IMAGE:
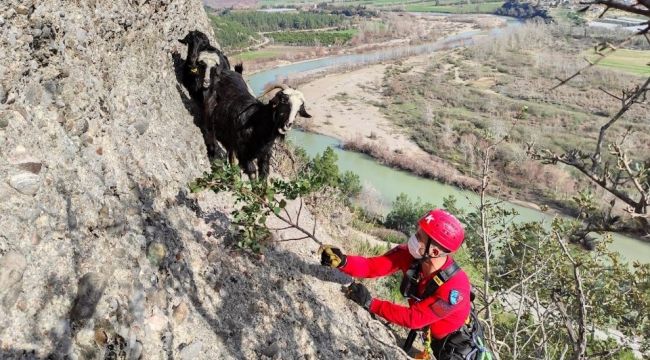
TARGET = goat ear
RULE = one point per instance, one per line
(304, 112)
(211, 48)
(183, 41)
(276, 99)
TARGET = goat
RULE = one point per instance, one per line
(201, 59)
(246, 127)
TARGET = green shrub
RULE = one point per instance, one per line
(405, 214)
(255, 201)
(364, 248)
(325, 168)
(388, 235)
(350, 184)
(327, 174)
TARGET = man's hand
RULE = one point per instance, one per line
(359, 294)
(331, 256)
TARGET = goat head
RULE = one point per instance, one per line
(196, 42)
(287, 104)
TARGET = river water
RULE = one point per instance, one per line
(391, 182)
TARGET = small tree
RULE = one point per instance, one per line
(405, 213)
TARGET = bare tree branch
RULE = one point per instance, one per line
(627, 101)
(620, 5)
(484, 205)
(294, 239)
(575, 158)
(599, 174)
(624, 163)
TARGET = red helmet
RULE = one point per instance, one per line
(443, 228)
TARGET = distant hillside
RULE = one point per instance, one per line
(218, 4)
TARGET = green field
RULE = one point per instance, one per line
(339, 37)
(258, 55)
(392, 2)
(482, 8)
(629, 61)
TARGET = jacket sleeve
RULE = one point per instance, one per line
(361, 267)
(419, 315)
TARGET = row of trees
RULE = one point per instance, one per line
(310, 38)
(231, 34)
(523, 10)
(259, 21)
(358, 10)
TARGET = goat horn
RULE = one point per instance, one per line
(279, 86)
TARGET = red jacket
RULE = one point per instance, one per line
(443, 311)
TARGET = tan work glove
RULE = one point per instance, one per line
(331, 256)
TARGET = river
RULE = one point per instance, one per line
(391, 182)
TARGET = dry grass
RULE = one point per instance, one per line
(389, 235)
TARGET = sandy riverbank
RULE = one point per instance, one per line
(346, 106)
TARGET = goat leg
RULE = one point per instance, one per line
(263, 164)
(207, 129)
(232, 157)
(250, 170)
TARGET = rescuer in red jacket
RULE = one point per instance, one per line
(438, 291)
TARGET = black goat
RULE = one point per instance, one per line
(201, 58)
(246, 127)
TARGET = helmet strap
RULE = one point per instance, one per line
(427, 248)
(426, 255)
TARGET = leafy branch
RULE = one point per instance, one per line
(257, 201)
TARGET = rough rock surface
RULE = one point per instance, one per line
(104, 254)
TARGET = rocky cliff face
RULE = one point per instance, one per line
(102, 252)
(95, 141)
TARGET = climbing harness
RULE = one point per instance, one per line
(464, 344)
(409, 287)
